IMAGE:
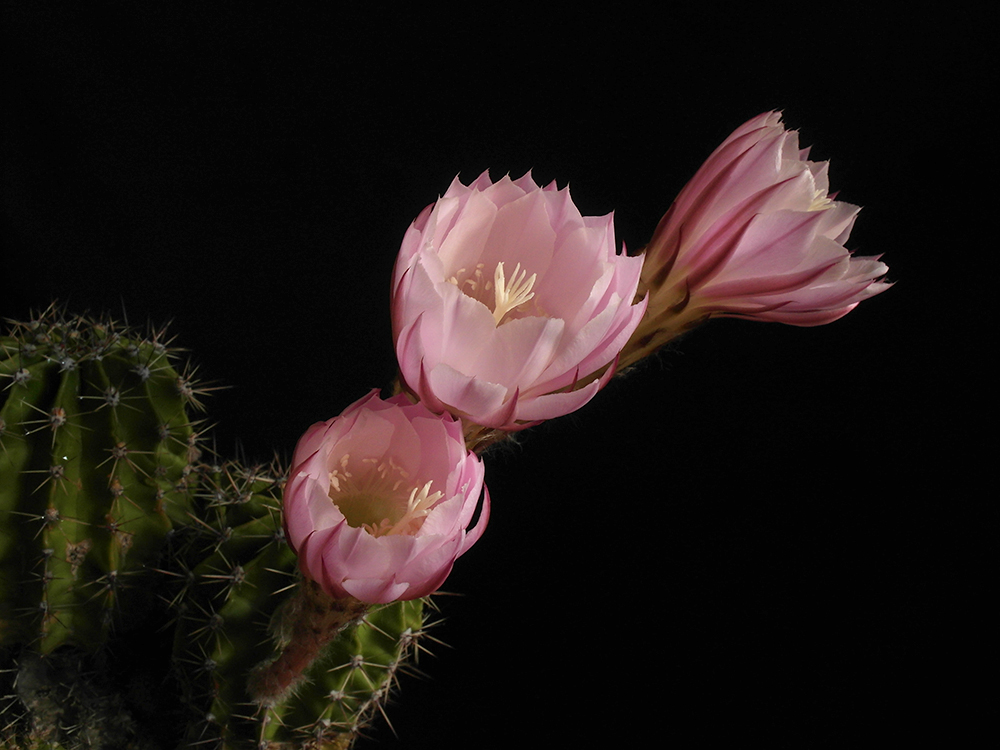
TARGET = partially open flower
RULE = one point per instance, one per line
(507, 304)
(754, 234)
(379, 500)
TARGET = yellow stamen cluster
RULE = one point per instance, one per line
(373, 498)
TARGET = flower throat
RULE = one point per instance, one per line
(379, 498)
(506, 296)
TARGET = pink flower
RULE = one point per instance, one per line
(507, 303)
(379, 500)
(754, 235)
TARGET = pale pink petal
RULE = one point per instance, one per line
(523, 349)
(375, 590)
(476, 532)
(315, 511)
(553, 404)
(465, 393)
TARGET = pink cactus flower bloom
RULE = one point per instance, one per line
(756, 235)
(507, 303)
(379, 500)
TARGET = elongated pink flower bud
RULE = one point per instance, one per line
(756, 235)
(379, 500)
(507, 303)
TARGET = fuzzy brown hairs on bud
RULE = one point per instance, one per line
(307, 622)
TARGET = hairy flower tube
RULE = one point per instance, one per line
(755, 234)
(508, 304)
(379, 500)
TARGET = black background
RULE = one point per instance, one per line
(768, 534)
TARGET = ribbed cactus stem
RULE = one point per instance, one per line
(96, 448)
(309, 621)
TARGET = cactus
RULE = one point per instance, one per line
(95, 446)
(233, 609)
(96, 449)
(127, 566)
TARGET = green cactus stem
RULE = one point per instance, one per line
(96, 444)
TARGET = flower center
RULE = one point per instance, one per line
(379, 497)
(506, 296)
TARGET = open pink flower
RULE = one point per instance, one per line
(379, 500)
(755, 235)
(505, 301)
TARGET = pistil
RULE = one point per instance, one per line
(509, 297)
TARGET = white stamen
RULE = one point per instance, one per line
(507, 298)
(821, 201)
(419, 504)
